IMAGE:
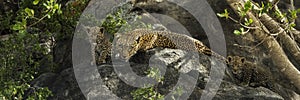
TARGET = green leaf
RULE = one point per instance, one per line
(16, 27)
(59, 11)
(29, 12)
(46, 5)
(237, 32)
(242, 30)
(53, 11)
(293, 25)
(56, 6)
(220, 15)
(293, 13)
(35, 2)
(242, 14)
(19, 26)
(247, 6)
(248, 21)
(225, 14)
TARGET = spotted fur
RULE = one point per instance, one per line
(102, 48)
(127, 44)
(248, 73)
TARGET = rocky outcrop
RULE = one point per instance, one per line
(64, 85)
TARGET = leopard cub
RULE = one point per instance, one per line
(248, 73)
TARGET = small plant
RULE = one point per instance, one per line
(23, 54)
(264, 7)
(149, 93)
(225, 14)
(242, 11)
(155, 73)
(146, 94)
(19, 65)
(178, 92)
(28, 14)
(247, 7)
(121, 21)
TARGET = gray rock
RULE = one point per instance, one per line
(65, 85)
(234, 92)
(172, 62)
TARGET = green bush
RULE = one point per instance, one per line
(149, 93)
(30, 25)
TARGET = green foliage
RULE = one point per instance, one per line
(119, 21)
(20, 26)
(294, 13)
(178, 92)
(19, 64)
(239, 32)
(279, 15)
(114, 22)
(243, 10)
(32, 23)
(23, 55)
(35, 2)
(248, 22)
(40, 94)
(154, 73)
(225, 14)
(247, 7)
(288, 18)
(146, 94)
(293, 16)
(29, 12)
(265, 8)
(52, 8)
(149, 93)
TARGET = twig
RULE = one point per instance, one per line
(38, 20)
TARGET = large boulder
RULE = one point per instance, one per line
(65, 85)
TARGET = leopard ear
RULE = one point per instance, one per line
(229, 59)
(102, 29)
(242, 60)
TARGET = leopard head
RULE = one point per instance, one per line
(236, 63)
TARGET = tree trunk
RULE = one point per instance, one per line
(277, 54)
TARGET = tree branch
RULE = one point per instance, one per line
(277, 54)
(288, 43)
